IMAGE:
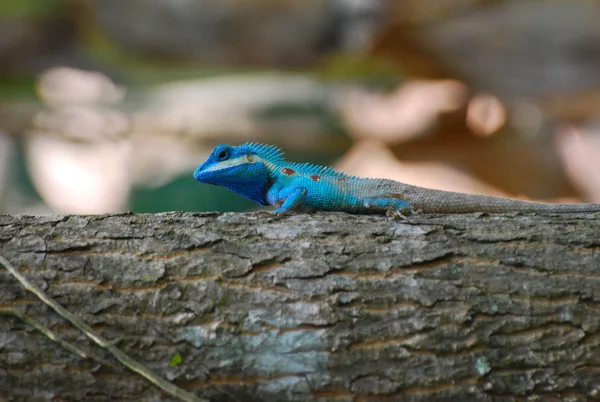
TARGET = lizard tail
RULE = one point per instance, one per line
(438, 201)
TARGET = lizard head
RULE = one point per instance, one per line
(238, 168)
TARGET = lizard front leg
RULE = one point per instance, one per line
(287, 198)
(292, 199)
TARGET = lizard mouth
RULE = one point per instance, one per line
(198, 175)
(204, 177)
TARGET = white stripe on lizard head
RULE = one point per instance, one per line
(239, 161)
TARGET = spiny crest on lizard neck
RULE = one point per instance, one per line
(270, 153)
(276, 156)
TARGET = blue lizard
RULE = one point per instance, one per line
(261, 173)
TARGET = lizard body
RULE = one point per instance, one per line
(261, 173)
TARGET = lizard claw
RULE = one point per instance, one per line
(263, 213)
(401, 214)
(269, 214)
(395, 216)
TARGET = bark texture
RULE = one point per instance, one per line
(323, 307)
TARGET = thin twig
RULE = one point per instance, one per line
(52, 336)
(44, 330)
(133, 365)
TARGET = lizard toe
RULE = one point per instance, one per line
(264, 213)
(395, 215)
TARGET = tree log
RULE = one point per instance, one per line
(322, 307)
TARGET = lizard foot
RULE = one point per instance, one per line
(396, 215)
(265, 214)
(269, 214)
(401, 214)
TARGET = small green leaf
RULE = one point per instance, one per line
(175, 360)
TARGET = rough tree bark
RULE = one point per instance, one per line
(324, 307)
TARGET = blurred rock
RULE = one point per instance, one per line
(226, 106)
(80, 177)
(579, 148)
(77, 100)
(83, 123)
(63, 86)
(485, 114)
(78, 157)
(407, 113)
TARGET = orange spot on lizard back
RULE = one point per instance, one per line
(288, 171)
(315, 177)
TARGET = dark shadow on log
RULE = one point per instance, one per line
(324, 307)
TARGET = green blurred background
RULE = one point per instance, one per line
(110, 105)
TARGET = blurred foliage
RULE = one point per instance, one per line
(17, 86)
(30, 8)
(145, 70)
(362, 68)
(184, 194)
(21, 176)
(326, 118)
(141, 70)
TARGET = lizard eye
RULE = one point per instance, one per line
(223, 154)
